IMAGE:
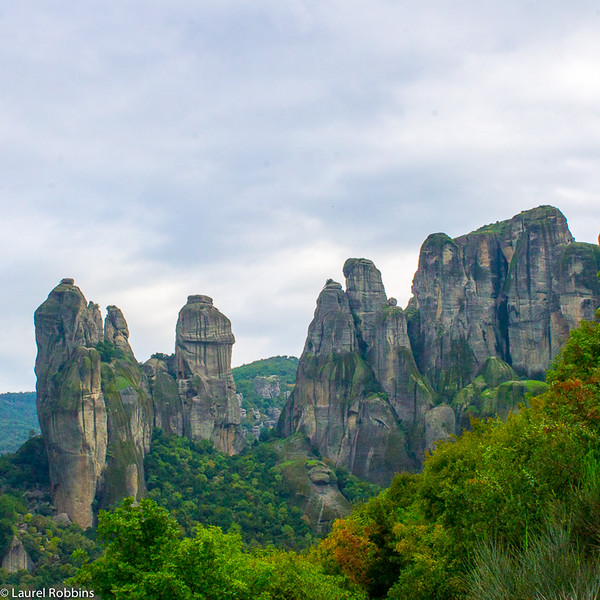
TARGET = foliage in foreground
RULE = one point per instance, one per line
(147, 558)
(550, 567)
(55, 548)
(497, 504)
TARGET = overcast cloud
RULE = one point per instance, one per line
(244, 149)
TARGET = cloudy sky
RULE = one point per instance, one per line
(244, 149)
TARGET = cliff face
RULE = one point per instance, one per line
(16, 557)
(377, 385)
(130, 414)
(511, 290)
(203, 360)
(358, 392)
(71, 405)
(94, 408)
(97, 406)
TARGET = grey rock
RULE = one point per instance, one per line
(16, 557)
(267, 388)
(513, 290)
(203, 356)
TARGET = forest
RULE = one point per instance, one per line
(18, 420)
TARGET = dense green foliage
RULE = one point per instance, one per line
(281, 367)
(494, 508)
(200, 485)
(18, 420)
(56, 549)
(109, 352)
(147, 558)
(284, 367)
(26, 469)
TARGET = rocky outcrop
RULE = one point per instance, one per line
(358, 396)
(513, 290)
(93, 404)
(267, 387)
(496, 391)
(129, 412)
(168, 405)
(203, 360)
(312, 485)
(16, 557)
(116, 331)
(97, 406)
(70, 402)
(377, 386)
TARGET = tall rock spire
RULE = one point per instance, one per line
(203, 348)
(377, 385)
(70, 402)
(358, 392)
(94, 409)
(512, 289)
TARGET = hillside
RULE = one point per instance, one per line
(18, 419)
(263, 386)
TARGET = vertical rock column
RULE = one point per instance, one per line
(70, 402)
(203, 354)
(129, 414)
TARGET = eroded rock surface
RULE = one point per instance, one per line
(203, 357)
(70, 402)
(377, 386)
(16, 557)
(358, 392)
(513, 290)
(97, 406)
(93, 405)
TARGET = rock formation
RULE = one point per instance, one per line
(97, 406)
(203, 357)
(311, 483)
(130, 414)
(512, 290)
(16, 557)
(94, 408)
(267, 387)
(376, 385)
(359, 397)
(70, 402)
(168, 405)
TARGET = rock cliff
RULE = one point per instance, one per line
(203, 360)
(97, 406)
(377, 386)
(130, 414)
(359, 397)
(513, 290)
(16, 557)
(71, 405)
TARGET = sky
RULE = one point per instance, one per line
(244, 149)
